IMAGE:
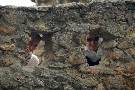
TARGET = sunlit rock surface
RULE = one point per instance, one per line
(56, 2)
(63, 28)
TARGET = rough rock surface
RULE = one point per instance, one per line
(63, 28)
(56, 2)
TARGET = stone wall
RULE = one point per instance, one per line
(56, 2)
(62, 28)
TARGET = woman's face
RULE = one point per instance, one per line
(92, 44)
(33, 44)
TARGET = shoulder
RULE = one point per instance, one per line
(33, 56)
(100, 50)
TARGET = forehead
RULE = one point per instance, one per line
(91, 35)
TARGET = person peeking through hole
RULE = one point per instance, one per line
(31, 58)
(92, 51)
(35, 38)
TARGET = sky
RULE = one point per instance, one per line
(26, 3)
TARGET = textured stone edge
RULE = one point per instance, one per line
(68, 5)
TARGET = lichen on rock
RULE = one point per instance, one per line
(63, 29)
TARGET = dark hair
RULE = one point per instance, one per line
(35, 36)
(91, 36)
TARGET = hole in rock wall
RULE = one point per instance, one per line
(34, 49)
(39, 47)
(92, 51)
